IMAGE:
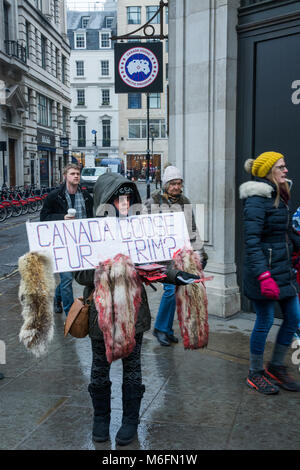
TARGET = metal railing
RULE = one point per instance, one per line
(14, 49)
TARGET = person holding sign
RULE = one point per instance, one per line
(67, 203)
(117, 294)
(172, 199)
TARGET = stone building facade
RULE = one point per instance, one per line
(40, 154)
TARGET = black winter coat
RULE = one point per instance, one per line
(56, 206)
(269, 239)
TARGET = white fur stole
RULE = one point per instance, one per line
(36, 293)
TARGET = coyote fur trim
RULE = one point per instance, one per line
(36, 294)
(117, 299)
(191, 302)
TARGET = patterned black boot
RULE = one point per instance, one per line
(132, 396)
(101, 403)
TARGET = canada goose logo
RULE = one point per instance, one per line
(138, 67)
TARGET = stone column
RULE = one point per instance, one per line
(202, 75)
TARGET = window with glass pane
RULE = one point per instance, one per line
(104, 67)
(42, 110)
(84, 21)
(64, 119)
(63, 69)
(167, 15)
(106, 133)
(43, 51)
(133, 15)
(80, 97)
(79, 68)
(109, 21)
(80, 41)
(154, 100)
(134, 100)
(150, 11)
(81, 134)
(134, 129)
(105, 97)
(105, 40)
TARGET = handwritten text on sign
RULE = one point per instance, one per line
(83, 243)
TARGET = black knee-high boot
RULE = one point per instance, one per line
(132, 396)
(101, 402)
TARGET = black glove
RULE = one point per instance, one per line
(183, 278)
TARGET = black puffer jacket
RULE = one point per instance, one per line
(269, 239)
(105, 186)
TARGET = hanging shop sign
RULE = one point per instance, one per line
(45, 140)
(138, 68)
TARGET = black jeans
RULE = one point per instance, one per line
(132, 373)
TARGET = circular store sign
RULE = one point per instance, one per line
(138, 67)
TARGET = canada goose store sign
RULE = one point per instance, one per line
(83, 243)
(138, 67)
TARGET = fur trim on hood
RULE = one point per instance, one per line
(191, 302)
(117, 299)
(255, 188)
(36, 294)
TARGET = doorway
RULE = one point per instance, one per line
(12, 162)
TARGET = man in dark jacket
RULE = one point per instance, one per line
(59, 205)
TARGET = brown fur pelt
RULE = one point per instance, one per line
(191, 302)
(36, 294)
(117, 299)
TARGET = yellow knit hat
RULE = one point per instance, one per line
(264, 162)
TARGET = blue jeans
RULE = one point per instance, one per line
(64, 291)
(290, 308)
(166, 311)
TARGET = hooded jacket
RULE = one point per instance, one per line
(105, 187)
(269, 239)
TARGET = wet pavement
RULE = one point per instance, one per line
(194, 400)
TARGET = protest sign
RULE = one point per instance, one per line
(83, 243)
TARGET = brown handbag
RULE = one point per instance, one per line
(77, 321)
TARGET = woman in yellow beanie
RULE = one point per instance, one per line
(268, 277)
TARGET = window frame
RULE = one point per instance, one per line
(103, 101)
(81, 126)
(130, 12)
(77, 68)
(78, 91)
(150, 12)
(102, 62)
(76, 34)
(137, 97)
(106, 33)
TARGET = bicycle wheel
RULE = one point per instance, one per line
(32, 206)
(17, 210)
(3, 214)
(25, 209)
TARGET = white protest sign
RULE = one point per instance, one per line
(83, 243)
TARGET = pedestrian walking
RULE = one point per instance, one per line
(158, 178)
(267, 272)
(67, 202)
(172, 198)
(114, 189)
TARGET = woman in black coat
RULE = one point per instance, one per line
(268, 275)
